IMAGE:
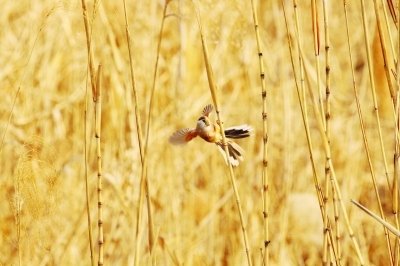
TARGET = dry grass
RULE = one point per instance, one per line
(44, 58)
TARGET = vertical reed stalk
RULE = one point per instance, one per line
(320, 194)
(332, 250)
(93, 83)
(139, 136)
(395, 187)
(144, 184)
(337, 224)
(303, 90)
(133, 80)
(393, 12)
(396, 177)
(97, 117)
(370, 68)
(375, 103)
(325, 220)
(265, 137)
(396, 160)
(389, 32)
(144, 173)
(89, 46)
(87, 181)
(328, 156)
(328, 126)
(302, 100)
(301, 67)
(303, 113)
(360, 116)
(317, 43)
(214, 93)
(315, 24)
(384, 52)
(396, 255)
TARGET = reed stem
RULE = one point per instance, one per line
(214, 93)
(322, 199)
(265, 186)
(97, 104)
(144, 183)
(360, 116)
(139, 136)
(372, 83)
(93, 86)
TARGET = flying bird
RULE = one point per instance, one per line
(211, 132)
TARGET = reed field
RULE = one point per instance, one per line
(87, 174)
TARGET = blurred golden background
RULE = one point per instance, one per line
(44, 69)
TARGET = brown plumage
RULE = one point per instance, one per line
(211, 132)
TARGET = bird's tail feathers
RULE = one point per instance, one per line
(235, 152)
(238, 132)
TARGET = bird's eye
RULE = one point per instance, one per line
(202, 119)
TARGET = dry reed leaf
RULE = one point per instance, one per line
(37, 199)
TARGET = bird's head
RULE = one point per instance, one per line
(203, 121)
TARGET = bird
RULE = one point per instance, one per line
(211, 132)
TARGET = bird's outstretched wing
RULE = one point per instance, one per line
(207, 110)
(182, 136)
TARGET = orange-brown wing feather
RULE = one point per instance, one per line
(182, 136)
(207, 110)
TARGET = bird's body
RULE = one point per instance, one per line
(207, 130)
(211, 132)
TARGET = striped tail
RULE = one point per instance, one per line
(235, 152)
(238, 132)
